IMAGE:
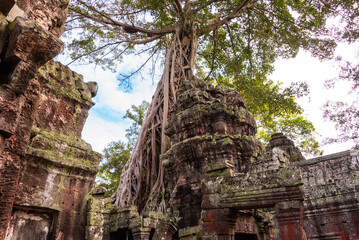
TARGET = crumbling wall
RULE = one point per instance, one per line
(46, 169)
(50, 15)
(220, 184)
(211, 134)
(331, 188)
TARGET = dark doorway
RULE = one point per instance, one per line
(152, 233)
(31, 224)
(121, 234)
(245, 236)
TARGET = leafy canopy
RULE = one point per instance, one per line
(243, 37)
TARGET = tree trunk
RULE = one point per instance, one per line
(141, 181)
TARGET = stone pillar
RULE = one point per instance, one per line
(290, 220)
(141, 233)
(98, 215)
(219, 223)
(165, 230)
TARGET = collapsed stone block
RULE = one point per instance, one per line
(30, 43)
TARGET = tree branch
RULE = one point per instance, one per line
(124, 77)
(213, 54)
(178, 6)
(240, 8)
(125, 26)
(186, 7)
(88, 53)
(204, 6)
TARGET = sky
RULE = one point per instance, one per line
(105, 122)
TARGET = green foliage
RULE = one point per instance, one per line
(275, 110)
(116, 154)
(244, 45)
(137, 115)
(297, 128)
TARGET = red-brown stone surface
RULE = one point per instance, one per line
(46, 169)
(331, 205)
(49, 14)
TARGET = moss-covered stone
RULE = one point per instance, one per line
(30, 43)
(3, 33)
(190, 232)
(69, 151)
(64, 82)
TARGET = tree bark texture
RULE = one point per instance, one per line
(142, 182)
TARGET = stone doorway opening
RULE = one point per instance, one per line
(122, 234)
(245, 236)
(31, 224)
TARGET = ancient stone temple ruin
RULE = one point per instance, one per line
(221, 183)
(46, 169)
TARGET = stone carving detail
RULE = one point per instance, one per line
(331, 187)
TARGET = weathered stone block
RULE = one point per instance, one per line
(49, 14)
(95, 205)
(19, 79)
(94, 232)
(69, 151)
(190, 232)
(25, 224)
(95, 219)
(30, 43)
(8, 116)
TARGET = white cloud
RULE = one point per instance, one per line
(99, 132)
(314, 72)
(101, 128)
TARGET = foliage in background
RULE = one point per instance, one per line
(114, 158)
(116, 154)
(345, 115)
(136, 114)
(276, 110)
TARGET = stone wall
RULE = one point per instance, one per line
(331, 188)
(50, 15)
(219, 183)
(46, 169)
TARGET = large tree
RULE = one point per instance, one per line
(235, 43)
